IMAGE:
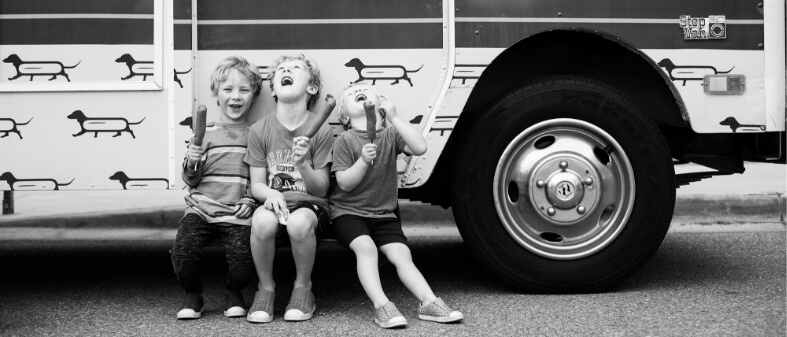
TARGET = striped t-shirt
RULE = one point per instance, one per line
(220, 180)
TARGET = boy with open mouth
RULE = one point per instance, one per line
(290, 176)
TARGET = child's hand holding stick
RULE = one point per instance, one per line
(198, 121)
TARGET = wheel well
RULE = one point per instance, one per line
(562, 52)
(586, 53)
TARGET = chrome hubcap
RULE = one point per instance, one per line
(564, 189)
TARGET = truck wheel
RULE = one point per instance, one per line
(565, 185)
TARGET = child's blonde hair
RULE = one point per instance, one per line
(314, 72)
(344, 118)
(240, 64)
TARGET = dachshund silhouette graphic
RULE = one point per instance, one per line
(38, 68)
(8, 125)
(689, 73)
(442, 124)
(103, 124)
(32, 184)
(381, 72)
(139, 183)
(179, 73)
(189, 121)
(136, 68)
(734, 125)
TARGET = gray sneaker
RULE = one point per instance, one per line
(301, 306)
(387, 316)
(261, 310)
(438, 311)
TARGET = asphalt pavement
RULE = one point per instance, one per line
(697, 284)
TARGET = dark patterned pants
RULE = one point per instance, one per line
(193, 232)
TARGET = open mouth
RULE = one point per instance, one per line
(360, 98)
(235, 106)
(286, 80)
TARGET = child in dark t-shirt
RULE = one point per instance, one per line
(363, 205)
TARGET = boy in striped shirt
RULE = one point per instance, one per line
(219, 203)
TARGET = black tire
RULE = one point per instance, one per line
(549, 101)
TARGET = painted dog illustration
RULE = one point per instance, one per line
(32, 184)
(734, 125)
(189, 121)
(180, 73)
(136, 68)
(8, 125)
(689, 73)
(442, 124)
(139, 183)
(103, 124)
(38, 68)
(381, 72)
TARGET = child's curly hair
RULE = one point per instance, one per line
(344, 118)
(314, 71)
(240, 64)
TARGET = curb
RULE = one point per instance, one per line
(691, 209)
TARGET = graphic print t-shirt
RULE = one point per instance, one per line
(270, 146)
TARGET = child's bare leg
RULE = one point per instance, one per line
(264, 225)
(368, 273)
(300, 227)
(400, 257)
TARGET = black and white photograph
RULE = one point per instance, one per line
(393, 167)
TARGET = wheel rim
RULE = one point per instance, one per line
(564, 189)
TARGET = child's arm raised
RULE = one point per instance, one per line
(316, 181)
(416, 144)
(351, 177)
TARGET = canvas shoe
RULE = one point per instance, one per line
(261, 310)
(233, 304)
(387, 316)
(438, 311)
(191, 307)
(301, 306)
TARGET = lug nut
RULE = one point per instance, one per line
(551, 211)
(588, 181)
(563, 165)
(581, 209)
(540, 183)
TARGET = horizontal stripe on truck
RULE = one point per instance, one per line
(643, 36)
(732, 9)
(76, 31)
(311, 9)
(79, 6)
(317, 36)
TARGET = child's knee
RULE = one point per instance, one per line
(397, 253)
(300, 227)
(363, 246)
(264, 224)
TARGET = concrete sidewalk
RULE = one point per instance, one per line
(162, 209)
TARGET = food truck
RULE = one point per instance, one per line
(552, 126)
